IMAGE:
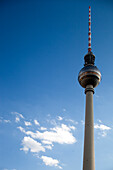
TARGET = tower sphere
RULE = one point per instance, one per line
(89, 75)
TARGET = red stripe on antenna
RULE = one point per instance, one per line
(89, 32)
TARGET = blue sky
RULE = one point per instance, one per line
(42, 47)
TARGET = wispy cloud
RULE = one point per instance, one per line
(46, 142)
(7, 121)
(82, 122)
(32, 145)
(27, 123)
(48, 147)
(17, 119)
(50, 161)
(43, 128)
(103, 129)
(60, 118)
(4, 120)
(72, 121)
(53, 122)
(18, 116)
(36, 122)
(100, 121)
(21, 129)
(72, 127)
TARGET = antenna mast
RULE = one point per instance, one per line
(89, 33)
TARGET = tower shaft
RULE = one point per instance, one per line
(89, 155)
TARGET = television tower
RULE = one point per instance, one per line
(89, 77)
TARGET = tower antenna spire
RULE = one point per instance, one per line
(89, 32)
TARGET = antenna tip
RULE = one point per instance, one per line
(89, 7)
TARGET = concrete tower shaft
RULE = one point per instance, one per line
(89, 154)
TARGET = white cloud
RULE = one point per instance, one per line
(48, 147)
(21, 115)
(76, 123)
(27, 123)
(43, 128)
(59, 134)
(50, 161)
(60, 118)
(21, 129)
(82, 122)
(7, 121)
(99, 121)
(4, 120)
(17, 119)
(72, 127)
(18, 114)
(101, 127)
(32, 145)
(36, 122)
(103, 134)
(46, 142)
(72, 121)
(53, 122)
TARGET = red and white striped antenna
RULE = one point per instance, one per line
(89, 33)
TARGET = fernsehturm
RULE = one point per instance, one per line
(89, 77)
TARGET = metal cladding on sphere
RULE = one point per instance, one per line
(89, 75)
